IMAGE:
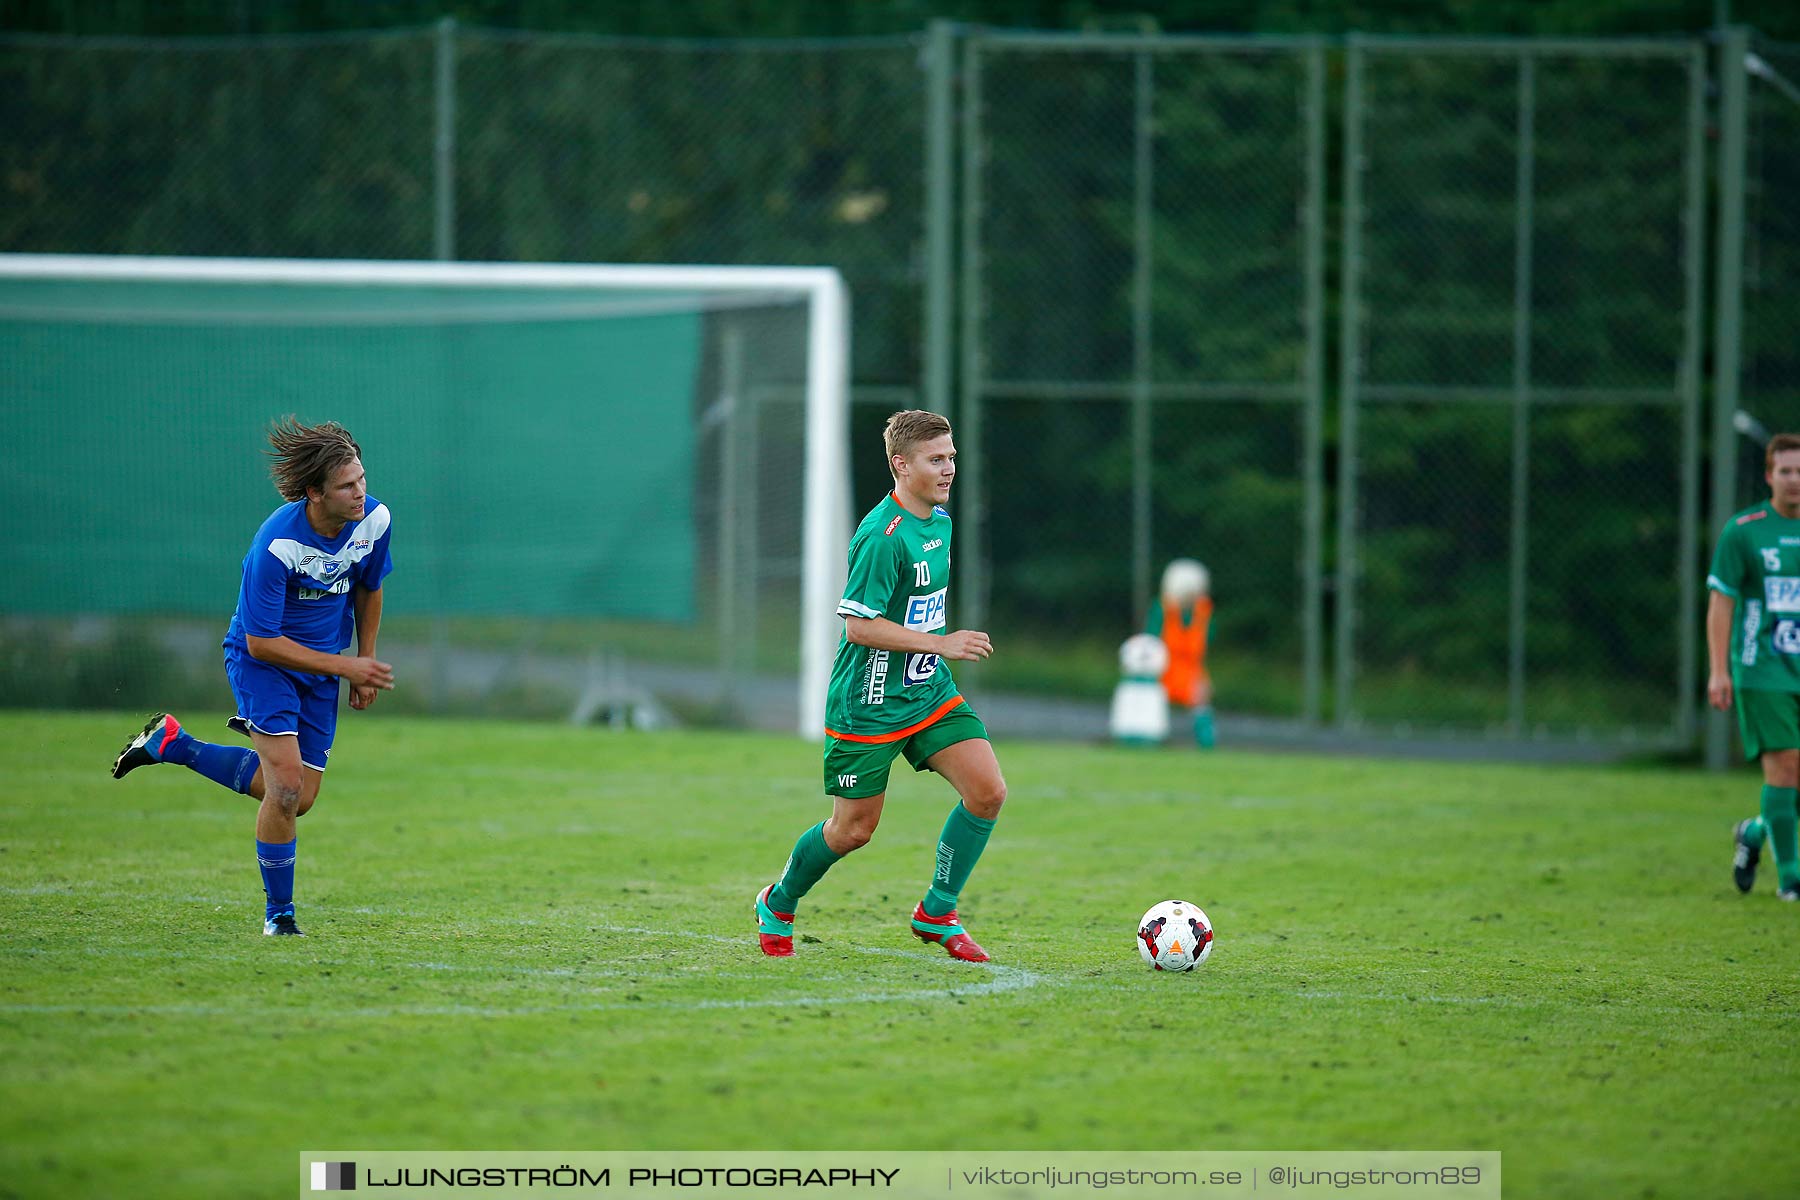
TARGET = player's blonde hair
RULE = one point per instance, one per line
(908, 428)
(304, 456)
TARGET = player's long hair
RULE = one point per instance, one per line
(906, 429)
(304, 456)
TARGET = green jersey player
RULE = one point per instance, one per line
(892, 694)
(1753, 650)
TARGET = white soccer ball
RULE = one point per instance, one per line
(1174, 936)
(1184, 581)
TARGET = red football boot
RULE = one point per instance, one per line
(775, 930)
(947, 933)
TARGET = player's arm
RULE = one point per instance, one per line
(283, 651)
(1719, 610)
(367, 606)
(879, 633)
(260, 605)
(1729, 572)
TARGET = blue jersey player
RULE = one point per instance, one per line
(312, 577)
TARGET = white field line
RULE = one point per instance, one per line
(994, 979)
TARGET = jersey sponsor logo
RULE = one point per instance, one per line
(926, 612)
(1749, 517)
(1752, 626)
(875, 678)
(892, 525)
(1790, 540)
(919, 668)
(1786, 636)
(1782, 593)
(933, 544)
(311, 593)
(331, 569)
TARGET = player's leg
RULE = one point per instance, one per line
(969, 766)
(1769, 723)
(310, 782)
(851, 824)
(1748, 834)
(292, 720)
(1781, 785)
(163, 740)
(1205, 732)
(277, 847)
(1746, 851)
(856, 777)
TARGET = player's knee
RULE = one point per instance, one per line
(986, 800)
(284, 793)
(844, 836)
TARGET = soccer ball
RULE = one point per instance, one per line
(1174, 936)
(1185, 581)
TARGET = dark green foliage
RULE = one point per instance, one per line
(601, 148)
(833, 18)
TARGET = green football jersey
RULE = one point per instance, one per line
(1758, 565)
(899, 569)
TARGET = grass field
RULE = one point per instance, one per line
(536, 937)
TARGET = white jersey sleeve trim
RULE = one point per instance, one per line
(1714, 583)
(850, 608)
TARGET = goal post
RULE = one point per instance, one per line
(572, 379)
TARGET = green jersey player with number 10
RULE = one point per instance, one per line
(891, 693)
(1753, 651)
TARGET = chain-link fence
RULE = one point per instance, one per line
(1519, 494)
(1771, 380)
(1405, 339)
(473, 144)
(1143, 341)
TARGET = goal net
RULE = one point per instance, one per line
(617, 492)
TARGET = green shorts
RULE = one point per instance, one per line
(855, 770)
(1768, 721)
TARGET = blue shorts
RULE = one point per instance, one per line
(278, 702)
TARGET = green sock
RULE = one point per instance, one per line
(1203, 728)
(805, 866)
(959, 847)
(1754, 831)
(1779, 818)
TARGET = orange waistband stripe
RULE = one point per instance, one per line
(877, 739)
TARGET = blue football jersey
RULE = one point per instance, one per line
(297, 583)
